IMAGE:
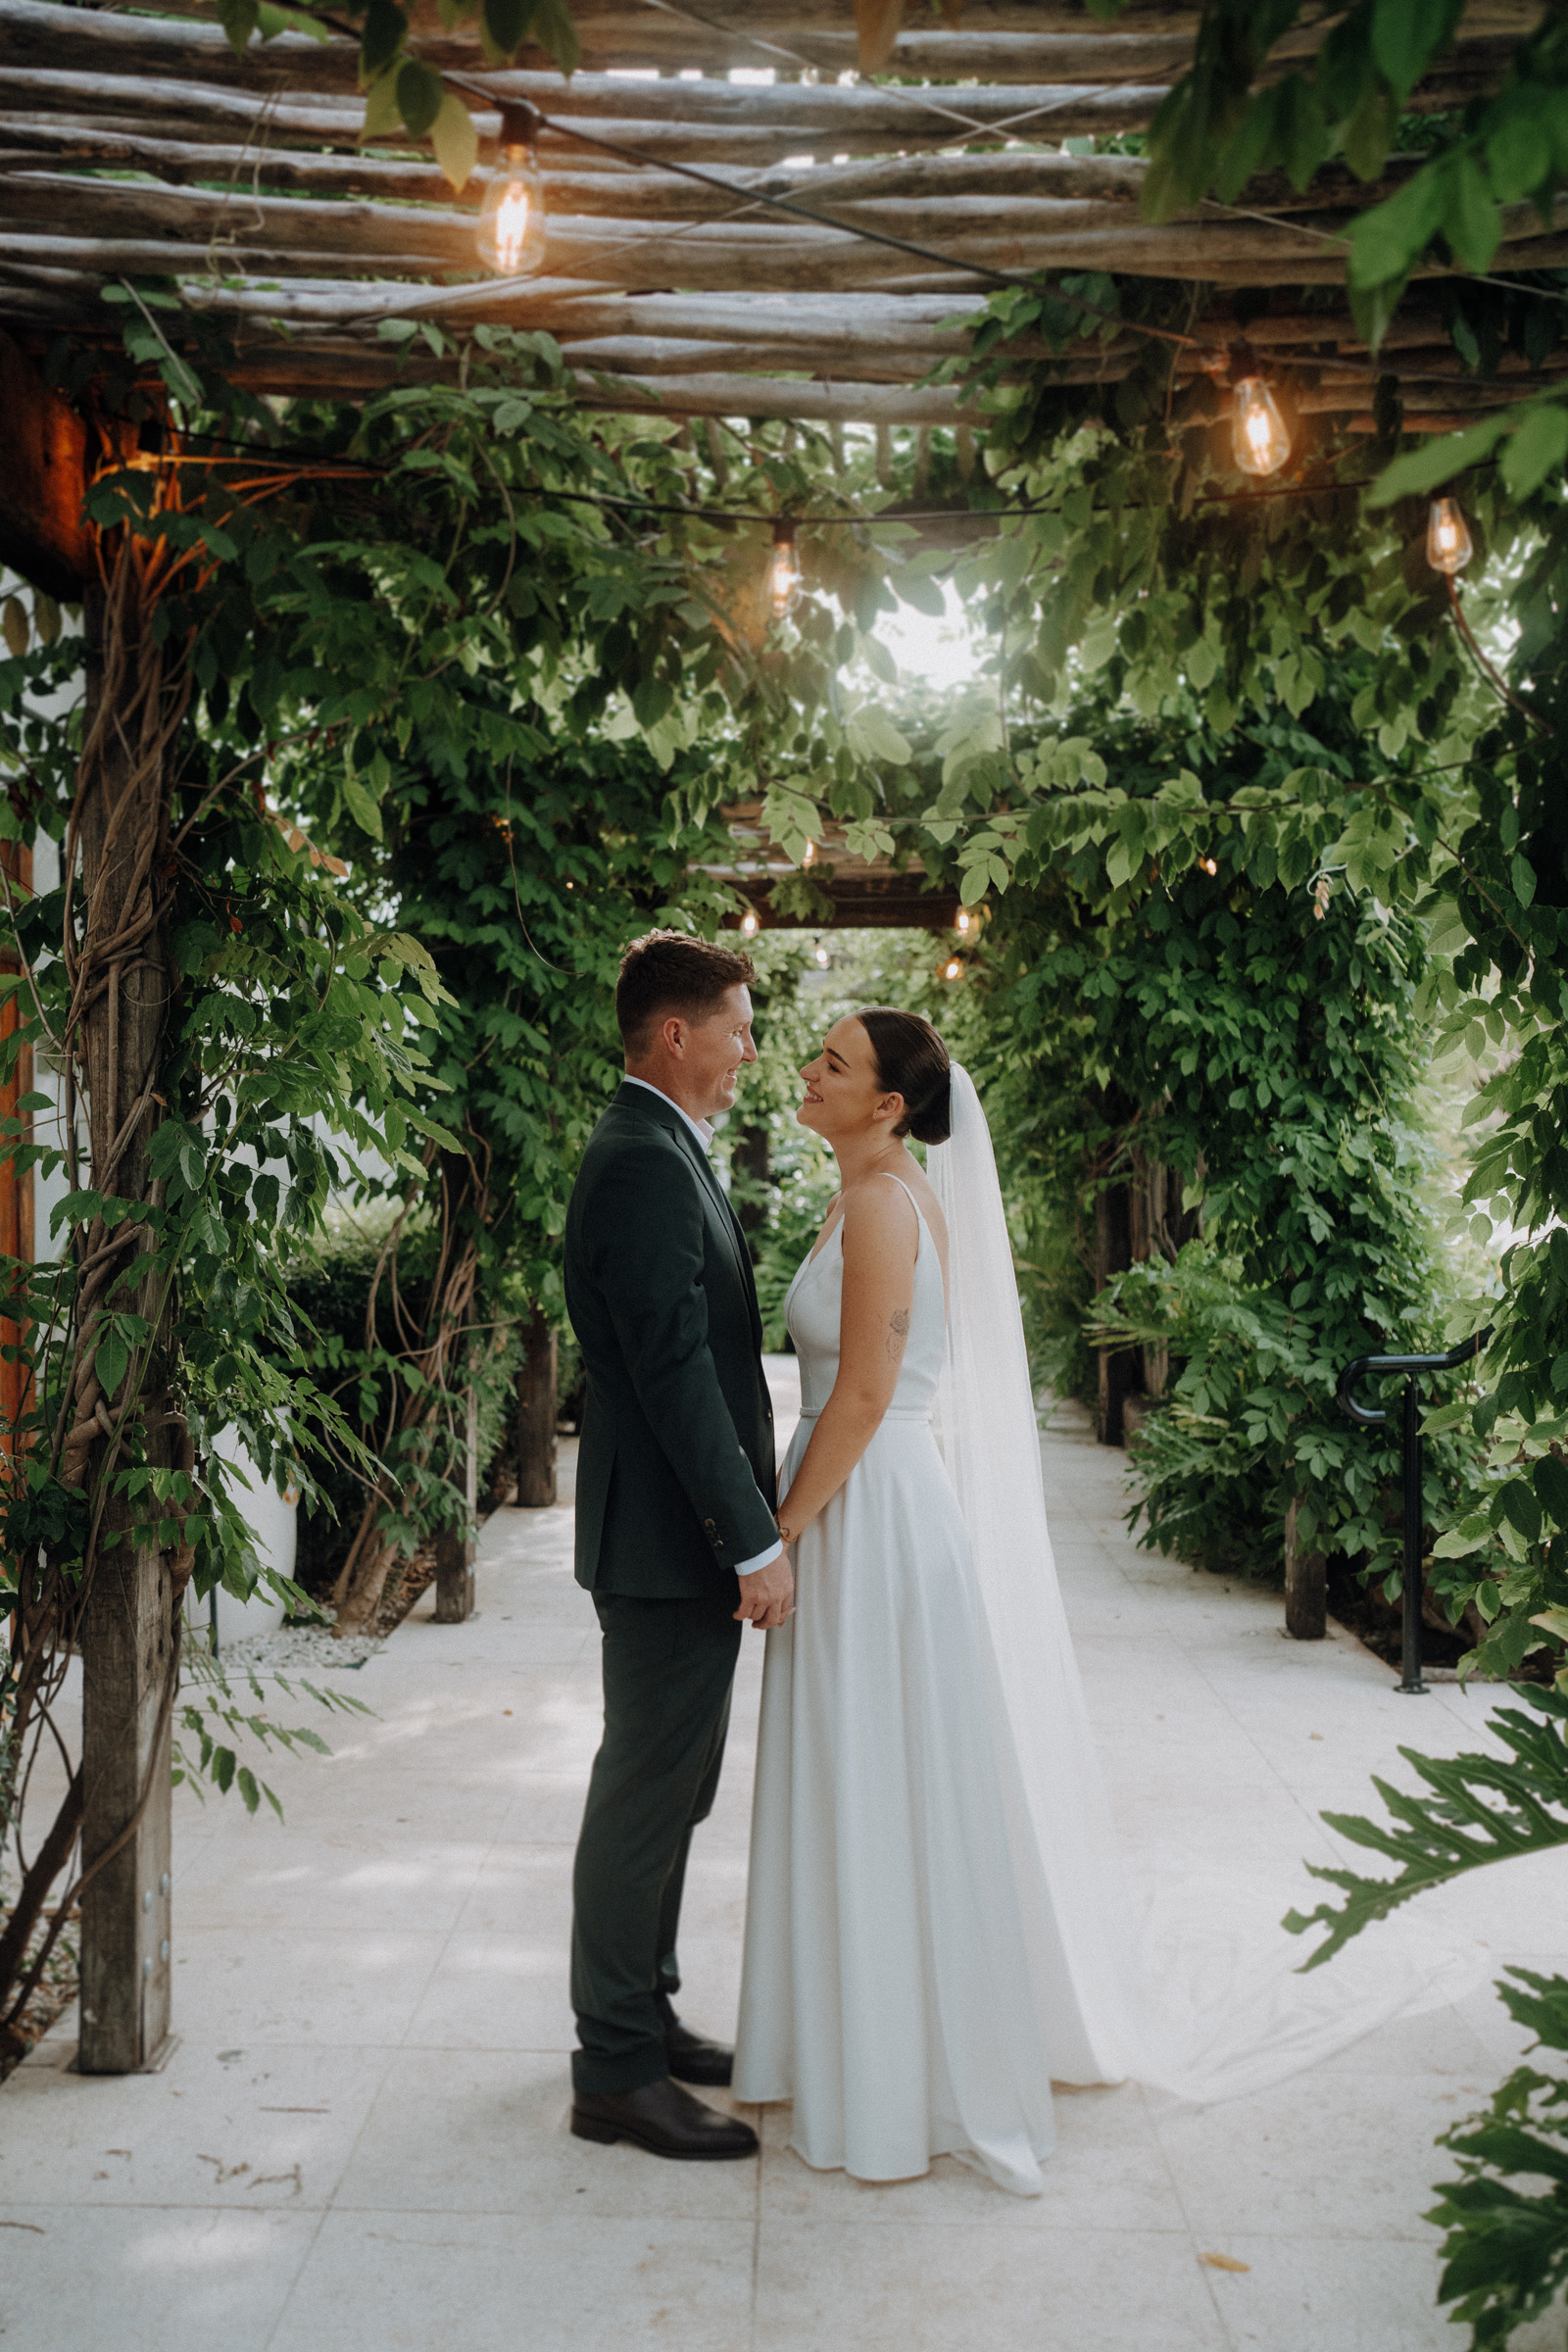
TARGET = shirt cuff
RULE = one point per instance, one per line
(749, 1567)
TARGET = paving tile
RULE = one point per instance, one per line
(147, 2280)
(490, 1992)
(240, 1985)
(495, 2283)
(906, 2287)
(1335, 2295)
(1330, 2154)
(242, 2131)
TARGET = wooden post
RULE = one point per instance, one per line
(1306, 1617)
(750, 1159)
(455, 1548)
(536, 1417)
(16, 1188)
(130, 1621)
(1112, 1256)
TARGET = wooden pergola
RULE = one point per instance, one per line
(813, 270)
(742, 226)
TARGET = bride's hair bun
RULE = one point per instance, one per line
(912, 1061)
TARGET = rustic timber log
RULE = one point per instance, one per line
(136, 696)
(537, 1403)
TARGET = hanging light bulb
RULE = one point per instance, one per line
(784, 567)
(749, 924)
(963, 921)
(952, 969)
(824, 959)
(1258, 439)
(1449, 546)
(1209, 866)
(512, 222)
(809, 852)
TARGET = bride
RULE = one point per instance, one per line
(936, 1923)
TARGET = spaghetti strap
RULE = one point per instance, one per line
(920, 1215)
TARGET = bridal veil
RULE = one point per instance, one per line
(1176, 1990)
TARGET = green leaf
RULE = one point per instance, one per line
(386, 29)
(505, 27)
(15, 625)
(420, 94)
(1535, 449)
(555, 34)
(1552, 1486)
(1520, 1508)
(1471, 222)
(360, 805)
(110, 1361)
(1438, 460)
(382, 120)
(1461, 1827)
(456, 141)
(238, 20)
(1406, 34)
(1386, 241)
(874, 732)
(1521, 873)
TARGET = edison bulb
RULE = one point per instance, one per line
(1449, 546)
(1258, 438)
(952, 969)
(963, 921)
(749, 924)
(784, 570)
(513, 224)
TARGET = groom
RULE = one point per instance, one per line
(676, 1538)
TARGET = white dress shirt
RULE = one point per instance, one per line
(705, 1136)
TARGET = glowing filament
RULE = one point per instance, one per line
(512, 219)
(1449, 543)
(1258, 438)
(784, 570)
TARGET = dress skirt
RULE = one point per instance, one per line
(887, 1989)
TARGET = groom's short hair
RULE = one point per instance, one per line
(668, 972)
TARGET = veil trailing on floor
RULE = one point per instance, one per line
(1178, 1989)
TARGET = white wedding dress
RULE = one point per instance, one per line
(936, 1922)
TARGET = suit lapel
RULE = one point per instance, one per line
(654, 1106)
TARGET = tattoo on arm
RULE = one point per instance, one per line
(898, 1332)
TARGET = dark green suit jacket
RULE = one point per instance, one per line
(675, 1472)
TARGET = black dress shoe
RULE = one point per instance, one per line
(695, 2059)
(664, 2119)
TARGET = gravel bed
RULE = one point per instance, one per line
(298, 1649)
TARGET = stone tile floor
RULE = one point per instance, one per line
(360, 2139)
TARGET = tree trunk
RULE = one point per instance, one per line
(455, 1546)
(129, 1626)
(536, 1418)
(1305, 1586)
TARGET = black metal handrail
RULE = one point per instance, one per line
(1411, 1683)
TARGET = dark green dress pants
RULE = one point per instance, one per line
(669, 1666)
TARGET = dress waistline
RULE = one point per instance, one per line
(895, 1412)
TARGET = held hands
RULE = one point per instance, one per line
(768, 1595)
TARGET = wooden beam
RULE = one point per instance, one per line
(43, 482)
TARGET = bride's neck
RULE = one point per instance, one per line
(874, 1154)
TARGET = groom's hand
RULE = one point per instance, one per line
(768, 1595)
